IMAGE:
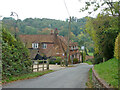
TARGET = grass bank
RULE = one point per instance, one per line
(108, 71)
(26, 76)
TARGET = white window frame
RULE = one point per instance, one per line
(35, 45)
(71, 48)
(44, 46)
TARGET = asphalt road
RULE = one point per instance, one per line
(71, 77)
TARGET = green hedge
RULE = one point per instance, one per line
(15, 57)
(57, 60)
(75, 60)
(117, 47)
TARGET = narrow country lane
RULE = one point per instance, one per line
(72, 77)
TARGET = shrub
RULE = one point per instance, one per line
(15, 57)
(97, 58)
(58, 60)
(117, 47)
(55, 60)
(84, 55)
(75, 60)
(52, 60)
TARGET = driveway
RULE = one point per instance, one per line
(71, 77)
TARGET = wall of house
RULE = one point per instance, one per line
(33, 53)
(45, 51)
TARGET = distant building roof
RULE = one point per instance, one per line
(37, 38)
(65, 40)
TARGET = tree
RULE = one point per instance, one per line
(107, 6)
(101, 29)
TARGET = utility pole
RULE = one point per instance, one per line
(69, 30)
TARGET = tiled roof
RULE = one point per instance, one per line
(64, 39)
(60, 43)
(37, 38)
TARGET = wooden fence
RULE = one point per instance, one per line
(40, 65)
(62, 63)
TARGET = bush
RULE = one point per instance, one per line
(54, 60)
(15, 57)
(117, 47)
(75, 60)
(84, 55)
(97, 58)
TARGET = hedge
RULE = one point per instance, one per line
(117, 47)
(15, 56)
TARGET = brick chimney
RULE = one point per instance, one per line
(52, 32)
(56, 32)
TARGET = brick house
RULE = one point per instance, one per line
(50, 45)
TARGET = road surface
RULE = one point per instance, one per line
(71, 77)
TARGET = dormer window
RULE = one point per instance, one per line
(44, 46)
(75, 47)
(34, 45)
(71, 48)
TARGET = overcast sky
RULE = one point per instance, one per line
(54, 9)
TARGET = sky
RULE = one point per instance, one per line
(53, 9)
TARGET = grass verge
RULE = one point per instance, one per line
(91, 54)
(90, 83)
(26, 76)
(88, 62)
(109, 72)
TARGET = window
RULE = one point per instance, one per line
(76, 47)
(71, 48)
(44, 46)
(34, 45)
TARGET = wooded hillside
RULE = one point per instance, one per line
(43, 26)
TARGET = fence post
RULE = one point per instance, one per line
(37, 66)
(32, 65)
(47, 64)
(61, 63)
(43, 64)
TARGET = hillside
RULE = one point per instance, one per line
(44, 26)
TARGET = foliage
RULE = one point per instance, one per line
(101, 29)
(15, 56)
(58, 60)
(117, 47)
(84, 56)
(26, 76)
(84, 39)
(106, 6)
(110, 69)
(55, 60)
(44, 25)
(97, 58)
(75, 60)
(88, 62)
(90, 54)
